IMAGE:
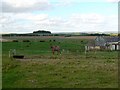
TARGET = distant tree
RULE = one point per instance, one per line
(42, 31)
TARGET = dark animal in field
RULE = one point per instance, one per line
(55, 49)
(18, 56)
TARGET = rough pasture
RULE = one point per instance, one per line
(71, 69)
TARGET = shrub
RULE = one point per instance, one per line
(15, 40)
(82, 41)
(67, 35)
(26, 41)
(27, 46)
(42, 40)
(49, 40)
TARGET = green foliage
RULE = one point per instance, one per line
(26, 41)
(15, 40)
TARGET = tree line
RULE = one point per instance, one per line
(48, 33)
(42, 31)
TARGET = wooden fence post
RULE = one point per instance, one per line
(85, 51)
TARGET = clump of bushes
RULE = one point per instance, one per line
(15, 40)
(42, 40)
(81, 41)
(27, 46)
(67, 35)
(52, 40)
(26, 40)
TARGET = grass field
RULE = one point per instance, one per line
(71, 69)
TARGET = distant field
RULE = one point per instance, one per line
(34, 37)
(72, 69)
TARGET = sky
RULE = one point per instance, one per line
(26, 16)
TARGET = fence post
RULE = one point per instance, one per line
(9, 54)
(14, 52)
(86, 51)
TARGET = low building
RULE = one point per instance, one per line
(104, 43)
(108, 42)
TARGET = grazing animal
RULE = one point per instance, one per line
(55, 48)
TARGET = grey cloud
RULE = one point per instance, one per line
(7, 8)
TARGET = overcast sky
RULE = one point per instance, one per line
(26, 16)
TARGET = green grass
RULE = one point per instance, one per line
(71, 69)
